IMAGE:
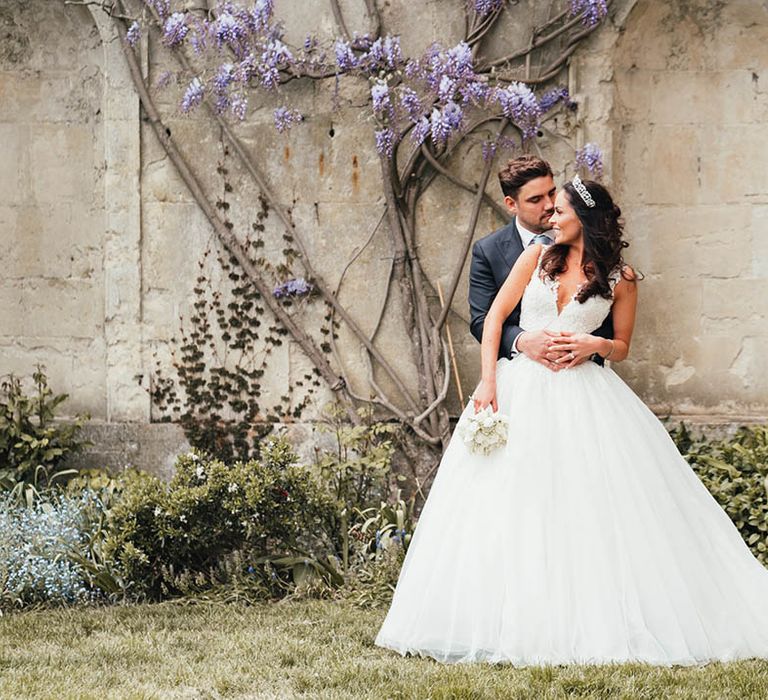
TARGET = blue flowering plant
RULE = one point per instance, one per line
(40, 545)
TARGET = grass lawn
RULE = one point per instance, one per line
(308, 649)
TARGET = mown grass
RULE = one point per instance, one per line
(308, 649)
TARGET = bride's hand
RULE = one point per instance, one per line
(485, 395)
(576, 348)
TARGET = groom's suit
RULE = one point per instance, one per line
(492, 260)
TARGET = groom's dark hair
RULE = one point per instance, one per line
(520, 170)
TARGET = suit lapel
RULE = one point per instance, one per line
(509, 244)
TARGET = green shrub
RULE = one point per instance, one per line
(736, 473)
(33, 448)
(355, 475)
(164, 536)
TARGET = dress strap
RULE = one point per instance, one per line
(614, 277)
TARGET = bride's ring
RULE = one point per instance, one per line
(572, 356)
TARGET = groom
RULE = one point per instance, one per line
(529, 194)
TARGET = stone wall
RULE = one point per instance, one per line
(52, 213)
(690, 109)
(103, 244)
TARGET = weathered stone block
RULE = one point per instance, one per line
(14, 175)
(674, 165)
(742, 36)
(701, 97)
(633, 180)
(73, 366)
(759, 234)
(53, 150)
(728, 172)
(56, 240)
(737, 304)
(65, 307)
(175, 237)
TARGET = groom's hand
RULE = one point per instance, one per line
(537, 346)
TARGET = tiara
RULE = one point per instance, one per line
(581, 188)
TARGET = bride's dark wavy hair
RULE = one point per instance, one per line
(603, 243)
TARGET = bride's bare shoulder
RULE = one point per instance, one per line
(628, 274)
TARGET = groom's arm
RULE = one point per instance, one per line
(482, 292)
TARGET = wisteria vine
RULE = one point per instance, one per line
(422, 109)
(427, 98)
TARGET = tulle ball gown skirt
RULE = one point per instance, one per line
(587, 539)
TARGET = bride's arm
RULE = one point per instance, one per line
(624, 310)
(506, 300)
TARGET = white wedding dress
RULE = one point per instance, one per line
(587, 539)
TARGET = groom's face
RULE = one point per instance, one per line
(534, 204)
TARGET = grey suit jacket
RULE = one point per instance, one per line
(492, 260)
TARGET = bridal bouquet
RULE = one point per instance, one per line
(484, 431)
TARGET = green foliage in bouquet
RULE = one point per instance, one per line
(164, 537)
(736, 473)
(33, 448)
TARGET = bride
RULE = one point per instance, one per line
(587, 538)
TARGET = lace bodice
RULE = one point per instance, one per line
(539, 307)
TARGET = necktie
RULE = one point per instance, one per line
(542, 238)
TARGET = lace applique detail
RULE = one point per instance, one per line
(614, 277)
(540, 308)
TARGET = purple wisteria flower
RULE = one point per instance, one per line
(193, 95)
(594, 10)
(175, 29)
(421, 130)
(446, 89)
(162, 7)
(238, 103)
(298, 287)
(164, 79)
(440, 126)
(285, 118)
(345, 58)
(551, 98)
(381, 98)
(224, 77)
(133, 35)
(385, 142)
(519, 104)
(485, 7)
(199, 36)
(262, 14)
(274, 56)
(489, 150)
(384, 53)
(475, 91)
(457, 61)
(453, 115)
(229, 29)
(411, 103)
(590, 157)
